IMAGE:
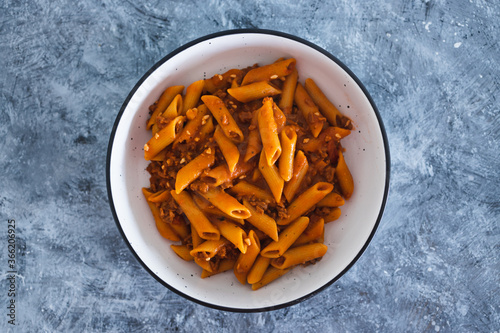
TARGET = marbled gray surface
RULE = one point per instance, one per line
(431, 66)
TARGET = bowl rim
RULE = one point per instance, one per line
(233, 32)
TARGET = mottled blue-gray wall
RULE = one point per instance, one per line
(432, 68)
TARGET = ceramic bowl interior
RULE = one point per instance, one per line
(367, 156)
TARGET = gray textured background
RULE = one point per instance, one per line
(432, 68)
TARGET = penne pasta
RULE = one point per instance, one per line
(206, 130)
(272, 177)
(258, 269)
(313, 232)
(165, 99)
(182, 251)
(253, 91)
(204, 227)
(288, 92)
(228, 148)
(269, 132)
(174, 109)
(195, 237)
(269, 72)
(279, 118)
(344, 177)
(286, 238)
(212, 211)
(163, 227)
(219, 81)
(309, 110)
(163, 138)
(192, 97)
(326, 107)
(288, 139)
(208, 249)
(333, 215)
(191, 171)
(299, 255)
(224, 265)
(245, 260)
(254, 143)
(159, 196)
(180, 227)
(258, 217)
(226, 203)
(332, 199)
(271, 274)
(221, 175)
(261, 221)
(192, 126)
(306, 201)
(234, 234)
(300, 168)
(244, 188)
(223, 117)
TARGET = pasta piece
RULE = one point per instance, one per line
(344, 177)
(300, 168)
(206, 130)
(163, 228)
(269, 72)
(221, 175)
(244, 188)
(279, 118)
(306, 201)
(174, 109)
(228, 148)
(333, 215)
(163, 138)
(234, 234)
(332, 199)
(271, 274)
(191, 171)
(224, 265)
(269, 132)
(206, 265)
(309, 110)
(213, 211)
(245, 260)
(192, 96)
(165, 99)
(253, 91)
(258, 269)
(182, 251)
(261, 221)
(272, 177)
(226, 203)
(288, 92)
(299, 255)
(209, 248)
(254, 143)
(159, 196)
(286, 238)
(223, 117)
(313, 232)
(288, 139)
(325, 106)
(192, 126)
(180, 227)
(219, 81)
(204, 227)
(195, 238)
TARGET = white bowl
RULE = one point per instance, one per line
(367, 154)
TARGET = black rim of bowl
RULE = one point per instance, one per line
(265, 32)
